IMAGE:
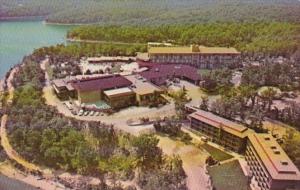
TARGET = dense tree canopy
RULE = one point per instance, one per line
(260, 37)
(141, 12)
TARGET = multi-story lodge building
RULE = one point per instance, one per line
(197, 56)
(269, 164)
(229, 134)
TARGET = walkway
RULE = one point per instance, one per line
(11, 153)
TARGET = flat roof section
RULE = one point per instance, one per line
(194, 49)
(276, 161)
(118, 92)
(106, 58)
(217, 121)
(59, 83)
(142, 87)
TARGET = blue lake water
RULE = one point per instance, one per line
(20, 38)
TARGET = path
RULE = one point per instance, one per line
(3, 134)
(13, 155)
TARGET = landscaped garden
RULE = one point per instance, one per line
(228, 176)
(217, 154)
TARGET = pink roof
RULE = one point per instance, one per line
(101, 83)
(218, 122)
(159, 73)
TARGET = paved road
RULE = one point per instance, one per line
(10, 151)
(119, 120)
(13, 155)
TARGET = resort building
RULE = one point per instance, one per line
(270, 166)
(63, 89)
(120, 97)
(143, 86)
(144, 90)
(111, 89)
(229, 134)
(158, 74)
(103, 88)
(108, 60)
(197, 56)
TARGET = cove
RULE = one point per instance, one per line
(20, 38)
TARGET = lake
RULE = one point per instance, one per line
(20, 38)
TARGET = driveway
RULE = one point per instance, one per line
(119, 119)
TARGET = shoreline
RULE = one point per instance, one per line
(2, 81)
(41, 18)
(73, 40)
(67, 24)
(23, 18)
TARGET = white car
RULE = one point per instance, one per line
(86, 113)
(97, 114)
(80, 113)
(92, 113)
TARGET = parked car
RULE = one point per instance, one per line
(97, 114)
(80, 113)
(86, 113)
(92, 113)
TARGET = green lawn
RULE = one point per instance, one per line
(217, 154)
(228, 176)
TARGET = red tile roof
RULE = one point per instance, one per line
(101, 83)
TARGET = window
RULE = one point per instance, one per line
(273, 147)
(285, 163)
(276, 152)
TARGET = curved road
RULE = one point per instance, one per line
(13, 155)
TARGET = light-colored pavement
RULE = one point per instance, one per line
(119, 120)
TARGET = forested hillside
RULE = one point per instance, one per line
(152, 11)
(271, 38)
